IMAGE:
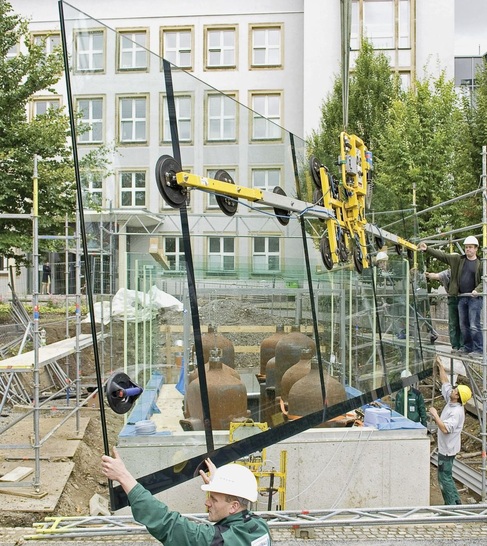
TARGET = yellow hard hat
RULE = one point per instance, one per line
(465, 393)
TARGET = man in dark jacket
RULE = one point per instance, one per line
(465, 282)
(231, 488)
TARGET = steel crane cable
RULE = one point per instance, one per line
(346, 29)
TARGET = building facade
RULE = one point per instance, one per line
(275, 61)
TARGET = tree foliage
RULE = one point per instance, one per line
(425, 139)
(23, 75)
(372, 88)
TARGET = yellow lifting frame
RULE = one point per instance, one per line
(256, 462)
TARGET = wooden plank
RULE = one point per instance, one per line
(235, 329)
(47, 354)
(26, 494)
(17, 474)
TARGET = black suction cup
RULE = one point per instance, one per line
(282, 215)
(314, 167)
(122, 392)
(228, 205)
(166, 169)
(325, 252)
(357, 258)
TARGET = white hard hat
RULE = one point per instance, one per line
(406, 373)
(471, 240)
(233, 479)
(382, 256)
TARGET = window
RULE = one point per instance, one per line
(220, 48)
(375, 20)
(266, 255)
(222, 118)
(266, 116)
(132, 188)
(221, 254)
(266, 179)
(48, 41)
(91, 122)
(174, 252)
(133, 53)
(184, 115)
(266, 46)
(92, 183)
(404, 38)
(210, 173)
(133, 119)
(3, 264)
(90, 51)
(177, 47)
(41, 106)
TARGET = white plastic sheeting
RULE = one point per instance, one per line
(134, 306)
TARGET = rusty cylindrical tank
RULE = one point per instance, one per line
(296, 372)
(268, 347)
(213, 354)
(305, 395)
(212, 339)
(227, 396)
(288, 352)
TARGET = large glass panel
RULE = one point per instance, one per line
(238, 283)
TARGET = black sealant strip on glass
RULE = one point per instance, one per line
(304, 239)
(188, 255)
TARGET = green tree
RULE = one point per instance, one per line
(372, 88)
(25, 69)
(424, 146)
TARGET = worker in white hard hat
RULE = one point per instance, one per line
(466, 283)
(450, 425)
(231, 488)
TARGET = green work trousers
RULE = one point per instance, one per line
(456, 339)
(445, 479)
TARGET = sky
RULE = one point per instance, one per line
(470, 27)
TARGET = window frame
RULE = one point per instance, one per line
(221, 254)
(166, 139)
(48, 47)
(179, 50)
(177, 254)
(120, 120)
(270, 120)
(90, 99)
(266, 187)
(208, 29)
(232, 98)
(133, 190)
(37, 99)
(265, 26)
(87, 183)
(120, 35)
(76, 63)
(267, 253)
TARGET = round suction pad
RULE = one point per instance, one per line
(166, 169)
(122, 392)
(228, 205)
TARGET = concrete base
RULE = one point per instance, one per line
(355, 467)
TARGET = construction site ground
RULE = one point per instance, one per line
(70, 476)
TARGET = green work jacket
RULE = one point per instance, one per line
(456, 263)
(416, 408)
(173, 529)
